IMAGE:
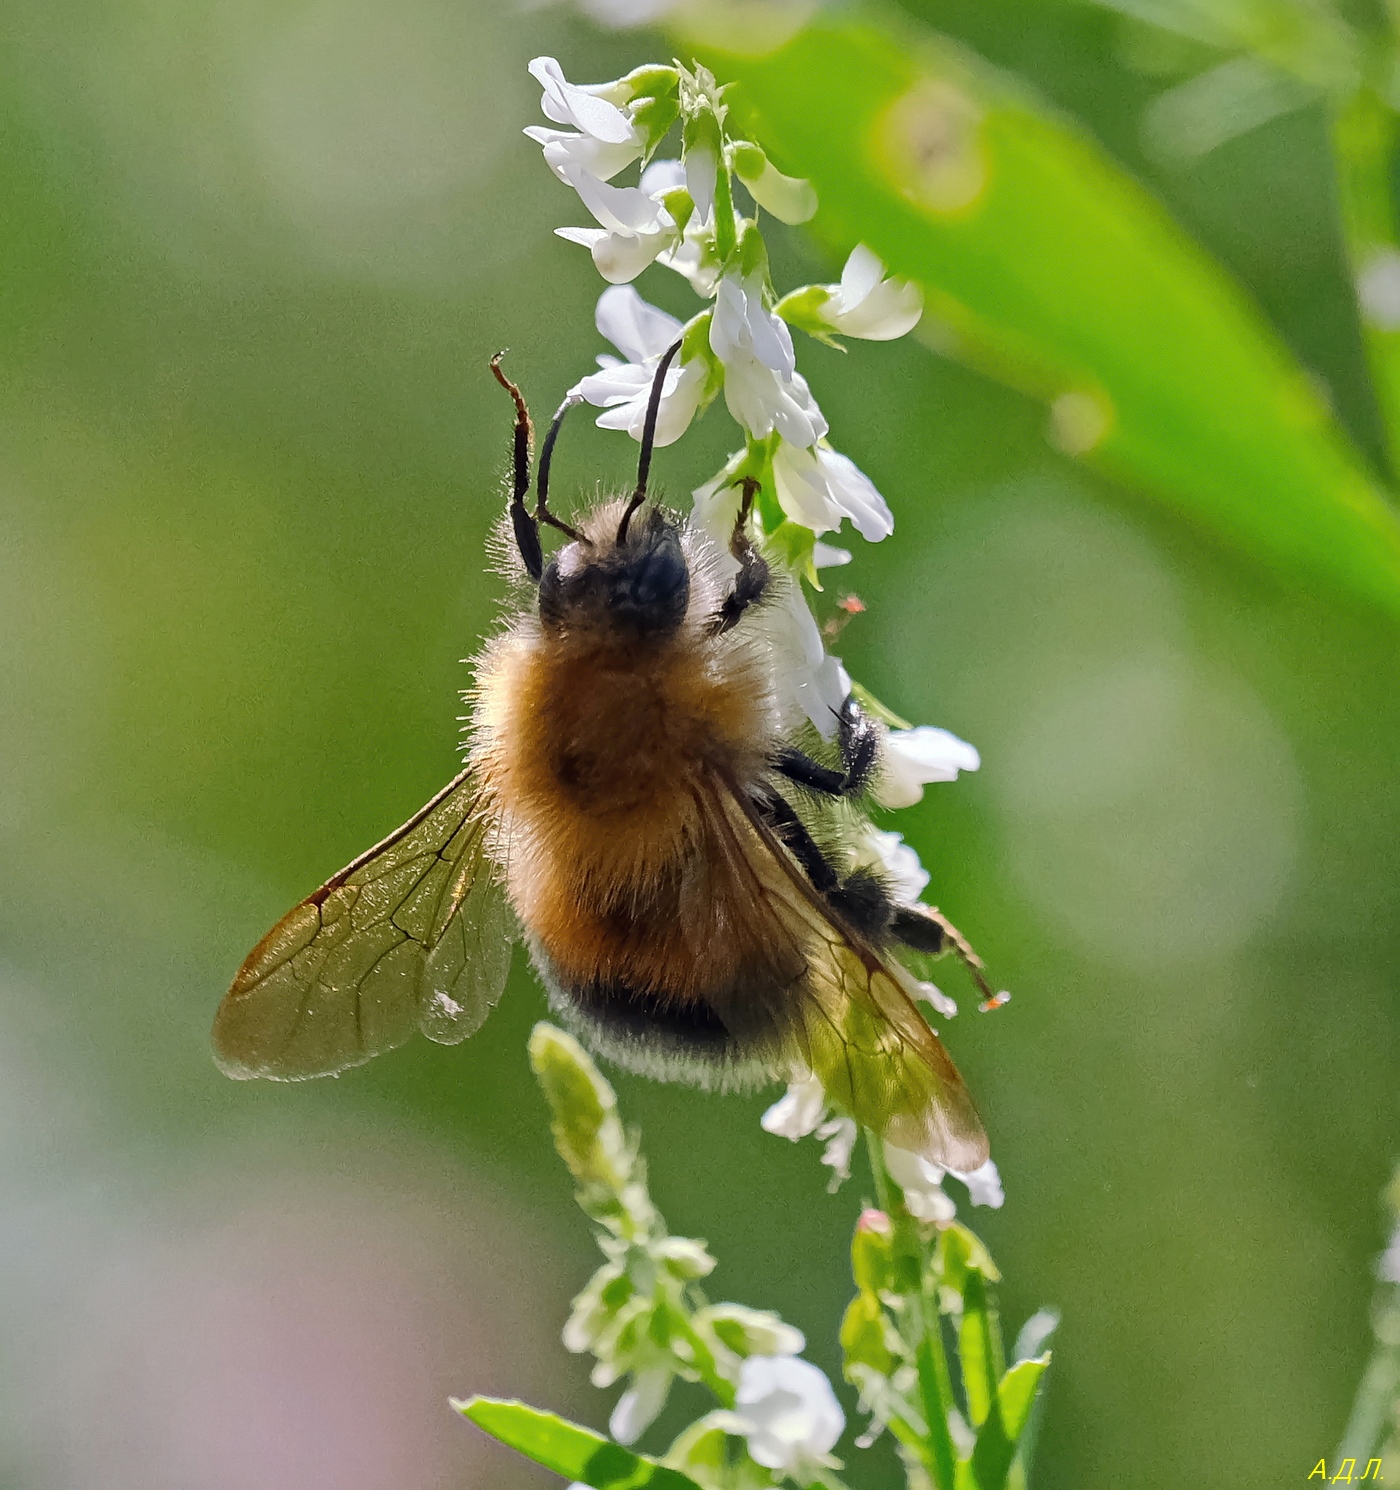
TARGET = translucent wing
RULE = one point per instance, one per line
(414, 935)
(857, 1028)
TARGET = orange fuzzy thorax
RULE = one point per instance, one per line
(600, 757)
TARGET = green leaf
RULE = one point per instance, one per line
(1048, 267)
(978, 1348)
(995, 1449)
(574, 1452)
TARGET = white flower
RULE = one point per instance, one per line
(819, 489)
(620, 209)
(798, 1112)
(619, 257)
(762, 387)
(581, 107)
(642, 333)
(662, 176)
(922, 1184)
(824, 556)
(744, 324)
(984, 1186)
(867, 305)
(840, 1134)
(599, 158)
(801, 1110)
(907, 877)
(791, 1416)
(701, 167)
(640, 1405)
(810, 681)
(914, 757)
(635, 226)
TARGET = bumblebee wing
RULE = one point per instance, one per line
(857, 1027)
(413, 935)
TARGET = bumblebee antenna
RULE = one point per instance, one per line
(542, 512)
(648, 440)
(527, 533)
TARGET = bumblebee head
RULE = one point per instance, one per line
(625, 571)
(637, 584)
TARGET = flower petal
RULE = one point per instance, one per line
(566, 103)
(922, 1184)
(636, 328)
(597, 157)
(640, 1405)
(791, 1416)
(915, 757)
(620, 209)
(798, 1112)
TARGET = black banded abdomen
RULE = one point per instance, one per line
(729, 1037)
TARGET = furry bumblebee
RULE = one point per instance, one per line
(630, 803)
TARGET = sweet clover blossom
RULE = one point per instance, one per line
(687, 212)
(958, 1416)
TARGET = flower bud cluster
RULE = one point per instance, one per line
(645, 1321)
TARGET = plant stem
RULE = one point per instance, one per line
(705, 1365)
(1364, 132)
(725, 240)
(936, 1451)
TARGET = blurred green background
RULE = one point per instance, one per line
(253, 259)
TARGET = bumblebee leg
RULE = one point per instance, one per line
(926, 929)
(794, 837)
(913, 928)
(861, 898)
(752, 581)
(859, 743)
(527, 530)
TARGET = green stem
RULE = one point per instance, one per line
(936, 1451)
(725, 239)
(1364, 133)
(707, 1368)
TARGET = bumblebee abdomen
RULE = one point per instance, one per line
(727, 1036)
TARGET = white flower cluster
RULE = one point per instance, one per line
(682, 214)
(803, 1110)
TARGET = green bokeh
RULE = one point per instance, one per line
(253, 259)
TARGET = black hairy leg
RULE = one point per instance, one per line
(859, 742)
(864, 902)
(754, 577)
(527, 530)
(861, 899)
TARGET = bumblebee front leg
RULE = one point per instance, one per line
(752, 581)
(859, 743)
(527, 529)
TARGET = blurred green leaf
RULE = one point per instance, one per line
(977, 1349)
(1047, 267)
(574, 1452)
(995, 1449)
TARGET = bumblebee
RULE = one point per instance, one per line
(634, 807)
